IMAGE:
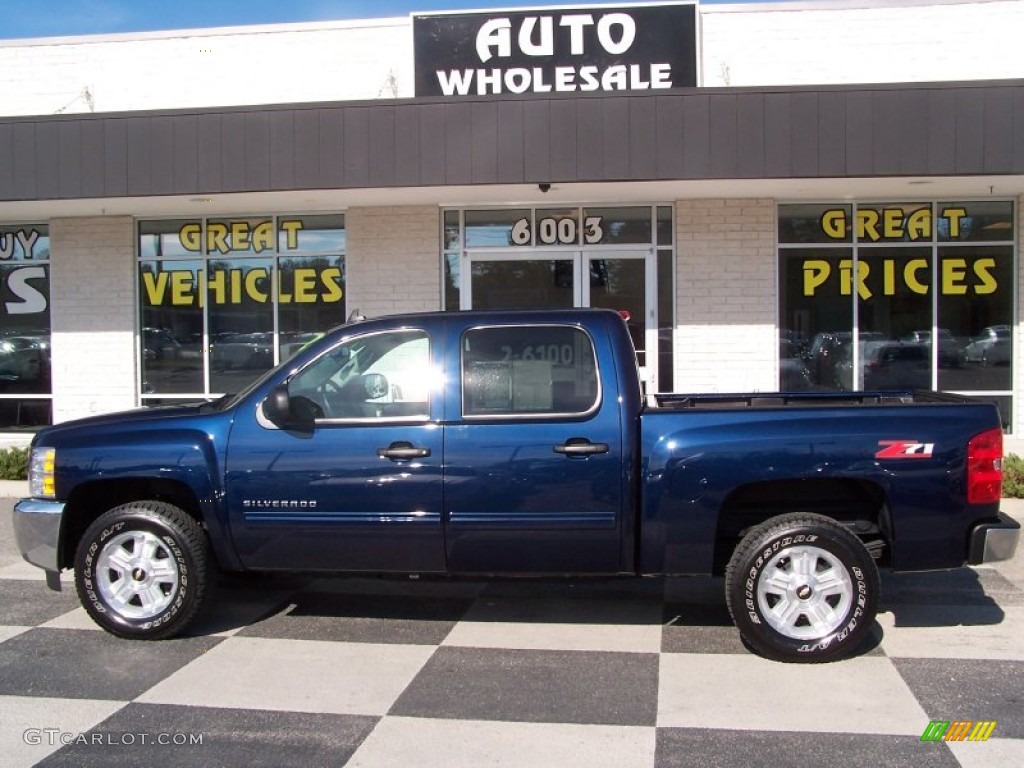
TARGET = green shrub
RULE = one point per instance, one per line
(1013, 476)
(14, 464)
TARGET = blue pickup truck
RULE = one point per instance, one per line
(518, 444)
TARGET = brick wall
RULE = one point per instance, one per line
(726, 311)
(92, 315)
(393, 261)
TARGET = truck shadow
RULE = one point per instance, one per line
(674, 615)
(962, 597)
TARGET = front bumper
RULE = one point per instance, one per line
(37, 532)
(994, 541)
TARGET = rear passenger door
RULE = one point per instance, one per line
(534, 470)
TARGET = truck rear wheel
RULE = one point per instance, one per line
(140, 570)
(802, 588)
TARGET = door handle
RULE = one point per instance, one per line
(580, 446)
(402, 450)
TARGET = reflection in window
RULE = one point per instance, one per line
(25, 382)
(620, 225)
(226, 299)
(311, 291)
(975, 307)
(240, 321)
(933, 294)
(523, 284)
(494, 228)
(172, 326)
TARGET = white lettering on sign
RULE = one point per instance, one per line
(22, 297)
(31, 300)
(506, 41)
(536, 35)
(27, 239)
(618, 77)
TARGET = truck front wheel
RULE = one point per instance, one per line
(802, 588)
(140, 570)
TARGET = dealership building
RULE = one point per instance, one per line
(798, 196)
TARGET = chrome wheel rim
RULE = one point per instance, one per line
(137, 575)
(804, 593)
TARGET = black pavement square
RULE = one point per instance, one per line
(707, 748)
(30, 603)
(90, 664)
(969, 689)
(157, 734)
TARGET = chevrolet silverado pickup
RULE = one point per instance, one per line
(494, 444)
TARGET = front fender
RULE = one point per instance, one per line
(183, 458)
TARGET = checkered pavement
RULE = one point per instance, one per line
(298, 670)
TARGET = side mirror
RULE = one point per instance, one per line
(375, 385)
(279, 410)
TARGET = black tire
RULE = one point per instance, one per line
(802, 588)
(141, 570)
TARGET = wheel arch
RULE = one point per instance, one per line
(90, 500)
(859, 504)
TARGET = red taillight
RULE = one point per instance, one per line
(985, 467)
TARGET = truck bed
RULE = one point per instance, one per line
(677, 401)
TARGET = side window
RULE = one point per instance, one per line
(376, 376)
(536, 370)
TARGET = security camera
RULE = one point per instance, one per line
(544, 186)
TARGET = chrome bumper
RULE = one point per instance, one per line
(37, 533)
(994, 541)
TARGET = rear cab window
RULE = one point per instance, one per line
(528, 371)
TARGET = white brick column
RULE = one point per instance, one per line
(1016, 445)
(92, 315)
(726, 296)
(392, 259)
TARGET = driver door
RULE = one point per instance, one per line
(361, 489)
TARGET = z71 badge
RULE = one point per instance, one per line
(904, 449)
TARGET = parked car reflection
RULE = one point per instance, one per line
(242, 350)
(991, 347)
(828, 350)
(951, 354)
(887, 365)
(159, 344)
(794, 375)
(25, 363)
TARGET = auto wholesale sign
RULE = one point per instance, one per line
(603, 48)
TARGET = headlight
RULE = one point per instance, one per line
(40, 473)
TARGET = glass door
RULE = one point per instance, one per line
(540, 279)
(622, 280)
(625, 281)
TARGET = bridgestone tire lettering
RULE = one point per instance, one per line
(172, 530)
(847, 570)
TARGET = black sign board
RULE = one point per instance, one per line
(551, 50)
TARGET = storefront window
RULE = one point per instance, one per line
(25, 387)
(223, 300)
(172, 326)
(898, 296)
